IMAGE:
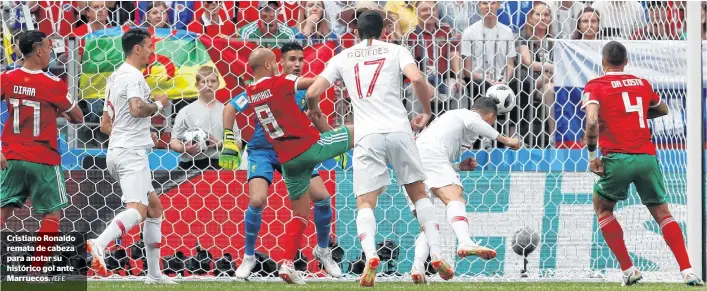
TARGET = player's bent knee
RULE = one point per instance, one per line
(141, 208)
(367, 200)
(449, 193)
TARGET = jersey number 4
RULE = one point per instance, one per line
(16, 115)
(268, 122)
(638, 107)
(372, 85)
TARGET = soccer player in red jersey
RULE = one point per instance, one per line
(30, 160)
(618, 106)
(299, 146)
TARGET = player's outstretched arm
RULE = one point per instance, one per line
(592, 135)
(106, 124)
(422, 90)
(141, 109)
(230, 157)
(74, 116)
(659, 110)
(312, 97)
(511, 142)
(304, 83)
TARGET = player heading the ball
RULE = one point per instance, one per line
(30, 160)
(618, 106)
(441, 145)
(127, 116)
(298, 146)
(372, 73)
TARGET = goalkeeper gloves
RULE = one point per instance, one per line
(343, 160)
(230, 158)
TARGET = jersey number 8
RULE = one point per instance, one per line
(268, 122)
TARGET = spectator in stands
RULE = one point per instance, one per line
(51, 17)
(121, 12)
(489, 54)
(313, 26)
(588, 25)
(436, 56)
(659, 26)
(488, 50)
(620, 19)
(406, 14)
(268, 31)
(212, 19)
(206, 113)
(156, 15)
(97, 15)
(564, 17)
(458, 14)
(535, 48)
(683, 36)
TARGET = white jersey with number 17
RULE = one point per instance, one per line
(372, 74)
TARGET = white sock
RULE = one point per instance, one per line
(152, 236)
(366, 227)
(422, 250)
(122, 223)
(456, 216)
(426, 217)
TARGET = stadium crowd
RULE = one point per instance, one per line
(464, 47)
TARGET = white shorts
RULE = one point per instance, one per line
(374, 152)
(438, 169)
(131, 168)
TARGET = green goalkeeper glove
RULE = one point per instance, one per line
(343, 160)
(230, 158)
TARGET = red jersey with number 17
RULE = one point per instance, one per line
(287, 129)
(34, 100)
(623, 100)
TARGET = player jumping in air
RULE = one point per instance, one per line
(618, 106)
(298, 146)
(371, 71)
(440, 145)
(127, 116)
(30, 160)
(263, 161)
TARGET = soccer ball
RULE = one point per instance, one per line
(197, 136)
(504, 97)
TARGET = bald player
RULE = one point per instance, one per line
(299, 147)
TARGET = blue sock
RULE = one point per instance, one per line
(322, 221)
(253, 217)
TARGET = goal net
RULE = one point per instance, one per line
(545, 187)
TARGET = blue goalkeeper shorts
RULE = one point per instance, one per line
(263, 163)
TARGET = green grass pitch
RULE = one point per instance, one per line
(267, 286)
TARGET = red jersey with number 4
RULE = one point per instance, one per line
(286, 127)
(34, 100)
(623, 100)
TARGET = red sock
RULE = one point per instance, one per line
(294, 230)
(672, 234)
(49, 227)
(614, 237)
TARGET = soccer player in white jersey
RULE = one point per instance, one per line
(440, 145)
(127, 117)
(371, 71)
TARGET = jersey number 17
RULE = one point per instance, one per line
(372, 85)
(16, 115)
